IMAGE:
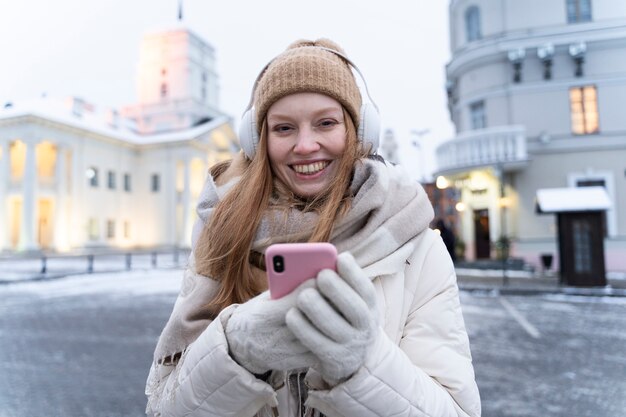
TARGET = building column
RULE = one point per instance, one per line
(185, 236)
(5, 178)
(29, 210)
(60, 210)
(76, 194)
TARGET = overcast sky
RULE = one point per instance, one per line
(90, 49)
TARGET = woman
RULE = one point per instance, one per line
(382, 336)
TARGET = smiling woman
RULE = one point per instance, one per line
(306, 139)
(387, 321)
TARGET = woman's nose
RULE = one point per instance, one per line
(306, 142)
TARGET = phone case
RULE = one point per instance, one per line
(290, 264)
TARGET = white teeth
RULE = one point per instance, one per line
(310, 168)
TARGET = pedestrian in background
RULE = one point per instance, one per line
(384, 335)
(447, 235)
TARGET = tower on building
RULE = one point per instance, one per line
(389, 147)
(177, 83)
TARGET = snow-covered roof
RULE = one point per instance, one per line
(100, 122)
(557, 200)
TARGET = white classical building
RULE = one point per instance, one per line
(536, 92)
(72, 176)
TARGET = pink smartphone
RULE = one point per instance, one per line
(290, 264)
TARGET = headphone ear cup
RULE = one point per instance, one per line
(369, 127)
(248, 136)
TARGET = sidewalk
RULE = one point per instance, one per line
(516, 282)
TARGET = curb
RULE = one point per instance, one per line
(522, 290)
(50, 276)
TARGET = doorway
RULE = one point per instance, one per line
(581, 243)
(15, 222)
(481, 234)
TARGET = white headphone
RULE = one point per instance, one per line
(369, 118)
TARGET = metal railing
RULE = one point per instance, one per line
(43, 265)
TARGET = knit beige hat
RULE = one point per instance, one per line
(305, 67)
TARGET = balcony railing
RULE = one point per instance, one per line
(504, 146)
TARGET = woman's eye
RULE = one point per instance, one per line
(327, 123)
(281, 128)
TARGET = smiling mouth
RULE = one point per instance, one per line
(310, 169)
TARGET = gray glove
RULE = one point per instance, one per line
(338, 320)
(258, 337)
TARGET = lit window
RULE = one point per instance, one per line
(111, 180)
(46, 157)
(584, 110)
(110, 229)
(17, 151)
(155, 183)
(578, 11)
(472, 24)
(477, 115)
(127, 182)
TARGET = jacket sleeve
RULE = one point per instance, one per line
(429, 373)
(207, 382)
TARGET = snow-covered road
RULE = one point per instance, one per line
(82, 345)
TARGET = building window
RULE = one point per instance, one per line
(111, 180)
(110, 229)
(203, 87)
(92, 176)
(477, 115)
(155, 183)
(584, 110)
(126, 229)
(127, 182)
(472, 23)
(578, 11)
(93, 229)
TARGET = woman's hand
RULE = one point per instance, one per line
(258, 337)
(337, 320)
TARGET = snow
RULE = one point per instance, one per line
(570, 298)
(67, 277)
(467, 272)
(556, 200)
(17, 268)
(91, 120)
(137, 282)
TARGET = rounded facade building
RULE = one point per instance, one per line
(535, 92)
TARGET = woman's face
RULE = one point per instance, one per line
(306, 138)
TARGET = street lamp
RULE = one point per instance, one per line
(503, 240)
(416, 143)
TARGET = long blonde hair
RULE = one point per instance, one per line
(223, 248)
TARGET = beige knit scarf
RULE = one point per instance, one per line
(388, 211)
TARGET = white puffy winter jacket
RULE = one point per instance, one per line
(420, 364)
